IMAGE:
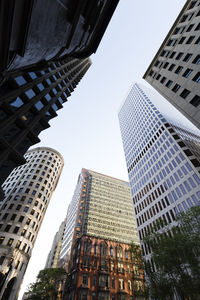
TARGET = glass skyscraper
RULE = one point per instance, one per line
(163, 162)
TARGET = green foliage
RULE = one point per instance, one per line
(45, 286)
(175, 253)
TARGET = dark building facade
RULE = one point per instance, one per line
(174, 71)
(29, 99)
(36, 30)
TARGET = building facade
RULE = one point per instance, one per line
(100, 265)
(163, 163)
(54, 254)
(34, 31)
(28, 191)
(174, 71)
(29, 100)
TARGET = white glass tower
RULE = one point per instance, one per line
(28, 191)
(162, 160)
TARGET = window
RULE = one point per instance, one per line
(169, 83)
(20, 80)
(39, 105)
(10, 242)
(197, 77)
(165, 65)
(190, 27)
(187, 57)
(16, 229)
(2, 259)
(30, 93)
(178, 70)
(21, 218)
(7, 228)
(190, 39)
(185, 93)
(172, 55)
(187, 73)
(17, 102)
(171, 67)
(163, 79)
(179, 56)
(26, 208)
(85, 279)
(195, 101)
(1, 239)
(182, 40)
(13, 217)
(113, 283)
(196, 61)
(176, 88)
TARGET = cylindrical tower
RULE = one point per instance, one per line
(28, 191)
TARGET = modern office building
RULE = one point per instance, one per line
(28, 101)
(35, 31)
(28, 191)
(54, 254)
(163, 162)
(100, 265)
(174, 71)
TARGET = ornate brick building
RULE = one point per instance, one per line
(100, 265)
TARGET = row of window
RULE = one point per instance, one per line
(19, 244)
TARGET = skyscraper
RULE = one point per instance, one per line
(174, 71)
(54, 254)
(44, 50)
(28, 190)
(163, 162)
(29, 99)
(35, 31)
(104, 226)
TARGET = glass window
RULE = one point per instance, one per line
(197, 179)
(17, 102)
(39, 105)
(20, 80)
(189, 202)
(188, 188)
(30, 93)
(32, 75)
(194, 198)
(191, 181)
(41, 86)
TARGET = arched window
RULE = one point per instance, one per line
(95, 248)
(104, 249)
(119, 252)
(111, 251)
(126, 254)
(87, 246)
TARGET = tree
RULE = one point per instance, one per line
(175, 253)
(45, 286)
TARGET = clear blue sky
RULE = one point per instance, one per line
(86, 131)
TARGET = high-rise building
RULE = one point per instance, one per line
(100, 264)
(44, 48)
(36, 31)
(54, 254)
(163, 162)
(28, 101)
(27, 190)
(174, 71)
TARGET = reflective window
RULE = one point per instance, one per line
(39, 105)
(20, 80)
(17, 102)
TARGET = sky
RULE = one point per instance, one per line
(86, 131)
